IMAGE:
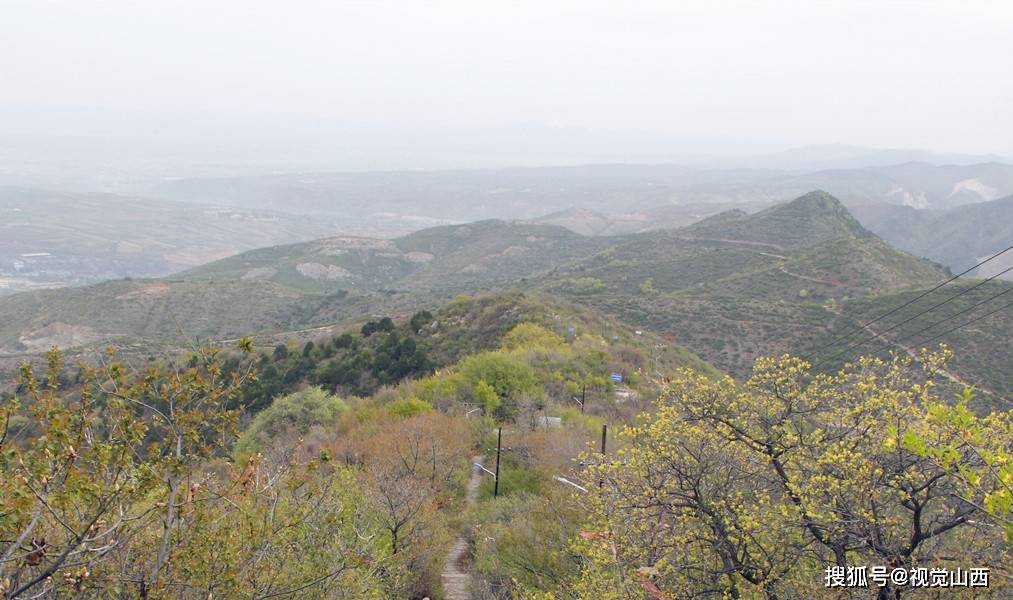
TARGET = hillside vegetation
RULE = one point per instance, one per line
(172, 480)
(736, 286)
(57, 239)
(959, 237)
(288, 287)
(384, 352)
(980, 347)
(730, 288)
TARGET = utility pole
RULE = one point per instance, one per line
(499, 444)
(604, 435)
(583, 397)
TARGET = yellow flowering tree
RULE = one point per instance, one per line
(750, 490)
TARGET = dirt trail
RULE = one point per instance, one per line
(731, 241)
(807, 278)
(455, 578)
(914, 354)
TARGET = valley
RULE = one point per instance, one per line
(517, 301)
(54, 239)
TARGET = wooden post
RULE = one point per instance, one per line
(499, 444)
(604, 435)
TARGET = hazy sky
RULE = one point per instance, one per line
(546, 77)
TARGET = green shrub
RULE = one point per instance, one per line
(513, 480)
(509, 374)
(529, 336)
(486, 396)
(584, 285)
(298, 411)
(408, 407)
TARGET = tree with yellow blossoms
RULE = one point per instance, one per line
(751, 490)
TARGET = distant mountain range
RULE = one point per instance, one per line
(56, 239)
(156, 226)
(821, 157)
(958, 237)
(531, 193)
(730, 287)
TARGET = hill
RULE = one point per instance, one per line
(735, 286)
(730, 288)
(57, 239)
(290, 287)
(959, 237)
(146, 309)
(980, 357)
(359, 360)
(529, 193)
(451, 257)
(809, 218)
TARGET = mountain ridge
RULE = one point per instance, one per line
(729, 288)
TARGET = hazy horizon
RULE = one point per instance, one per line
(400, 85)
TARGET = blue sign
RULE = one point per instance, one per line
(616, 377)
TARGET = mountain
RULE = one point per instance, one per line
(958, 238)
(814, 216)
(844, 156)
(611, 190)
(485, 253)
(162, 226)
(730, 287)
(288, 287)
(735, 285)
(56, 239)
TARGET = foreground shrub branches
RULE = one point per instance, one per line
(121, 487)
(751, 490)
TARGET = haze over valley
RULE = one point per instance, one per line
(60, 237)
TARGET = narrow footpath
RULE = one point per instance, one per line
(455, 578)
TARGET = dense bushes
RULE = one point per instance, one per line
(298, 411)
(314, 482)
(130, 491)
(346, 364)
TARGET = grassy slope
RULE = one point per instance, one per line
(288, 287)
(981, 348)
(153, 309)
(730, 288)
(959, 237)
(735, 286)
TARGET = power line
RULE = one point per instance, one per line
(969, 309)
(916, 315)
(908, 303)
(965, 324)
(900, 341)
